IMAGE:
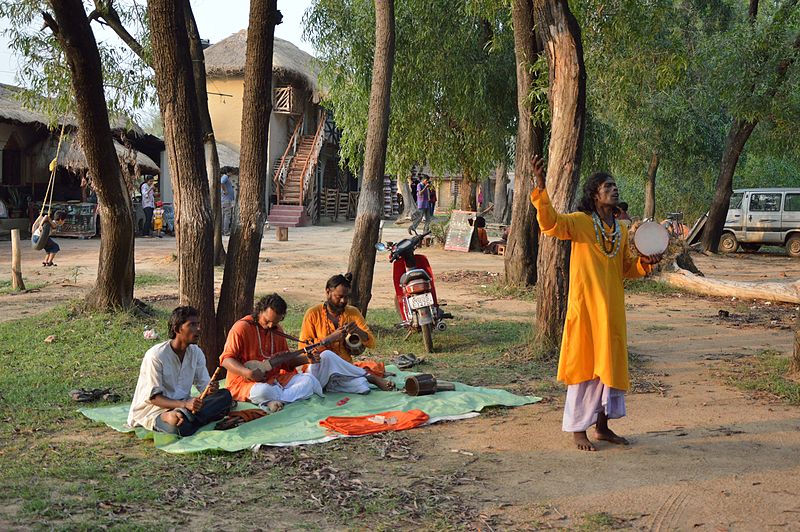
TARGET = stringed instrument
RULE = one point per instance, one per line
(266, 365)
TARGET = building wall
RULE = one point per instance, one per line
(226, 111)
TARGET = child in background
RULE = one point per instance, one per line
(51, 248)
(158, 218)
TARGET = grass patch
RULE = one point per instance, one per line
(501, 290)
(765, 373)
(600, 521)
(657, 328)
(651, 287)
(152, 279)
(6, 287)
(63, 471)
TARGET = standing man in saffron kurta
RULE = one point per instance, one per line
(594, 353)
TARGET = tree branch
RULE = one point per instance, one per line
(109, 15)
(50, 22)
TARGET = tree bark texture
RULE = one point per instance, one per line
(466, 193)
(738, 134)
(650, 188)
(500, 194)
(370, 203)
(794, 365)
(172, 62)
(16, 262)
(523, 238)
(781, 292)
(115, 271)
(209, 140)
(409, 205)
(244, 246)
(567, 96)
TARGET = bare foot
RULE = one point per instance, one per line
(582, 442)
(606, 434)
(384, 384)
(173, 417)
(274, 406)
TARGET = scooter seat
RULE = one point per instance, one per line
(414, 275)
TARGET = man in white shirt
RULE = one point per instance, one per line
(163, 400)
(148, 190)
(228, 200)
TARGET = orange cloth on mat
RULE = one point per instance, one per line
(242, 344)
(373, 367)
(358, 425)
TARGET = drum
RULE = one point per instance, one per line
(651, 239)
(426, 384)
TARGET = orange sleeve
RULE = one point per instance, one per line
(235, 344)
(308, 330)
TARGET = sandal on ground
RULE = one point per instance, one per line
(407, 361)
(83, 395)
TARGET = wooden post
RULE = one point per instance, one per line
(16, 262)
(282, 234)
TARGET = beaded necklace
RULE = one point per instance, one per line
(614, 239)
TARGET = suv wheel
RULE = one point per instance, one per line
(728, 243)
(793, 245)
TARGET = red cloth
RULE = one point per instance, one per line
(359, 425)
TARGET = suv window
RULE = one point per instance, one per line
(736, 201)
(792, 203)
(765, 202)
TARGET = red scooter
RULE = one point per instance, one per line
(414, 289)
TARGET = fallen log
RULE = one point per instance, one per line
(783, 292)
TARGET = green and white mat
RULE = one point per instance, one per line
(298, 423)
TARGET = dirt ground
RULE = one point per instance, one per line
(703, 455)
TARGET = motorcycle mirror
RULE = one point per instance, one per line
(380, 246)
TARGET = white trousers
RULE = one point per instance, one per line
(586, 400)
(337, 375)
(301, 386)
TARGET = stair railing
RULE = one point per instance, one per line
(286, 160)
(313, 156)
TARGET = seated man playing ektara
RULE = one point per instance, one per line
(163, 401)
(331, 323)
(260, 367)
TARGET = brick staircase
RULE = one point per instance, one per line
(288, 216)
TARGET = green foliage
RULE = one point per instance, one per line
(767, 373)
(45, 75)
(453, 103)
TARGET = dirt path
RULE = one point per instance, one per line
(704, 455)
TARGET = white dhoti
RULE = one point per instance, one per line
(586, 400)
(337, 375)
(301, 386)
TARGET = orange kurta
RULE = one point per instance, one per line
(242, 344)
(595, 342)
(317, 326)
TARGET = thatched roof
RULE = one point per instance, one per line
(72, 158)
(228, 158)
(11, 110)
(226, 59)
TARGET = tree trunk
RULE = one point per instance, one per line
(786, 292)
(409, 205)
(17, 283)
(794, 365)
(466, 193)
(500, 193)
(523, 238)
(209, 141)
(115, 271)
(486, 191)
(365, 235)
(734, 144)
(241, 267)
(567, 96)
(650, 189)
(172, 63)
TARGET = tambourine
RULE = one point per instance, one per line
(651, 239)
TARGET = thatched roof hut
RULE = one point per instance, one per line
(226, 59)
(72, 158)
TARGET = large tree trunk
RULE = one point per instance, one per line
(241, 268)
(567, 96)
(194, 229)
(523, 239)
(500, 194)
(209, 141)
(115, 272)
(409, 205)
(734, 144)
(370, 203)
(785, 292)
(650, 188)
(466, 193)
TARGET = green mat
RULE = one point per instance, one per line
(298, 423)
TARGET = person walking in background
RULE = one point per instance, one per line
(148, 191)
(423, 204)
(228, 197)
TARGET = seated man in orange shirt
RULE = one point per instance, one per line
(331, 322)
(259, 338)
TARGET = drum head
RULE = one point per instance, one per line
(651, 239)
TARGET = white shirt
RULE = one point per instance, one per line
(148, 195)
(163, 373)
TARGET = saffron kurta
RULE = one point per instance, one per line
(317, 326)
(594, 343)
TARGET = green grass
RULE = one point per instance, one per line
(63, 471)
(658, 328)
(766, 373)
(651, 287)
(501, 290)
(153, 279)
(599, 521)
(5, 287)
